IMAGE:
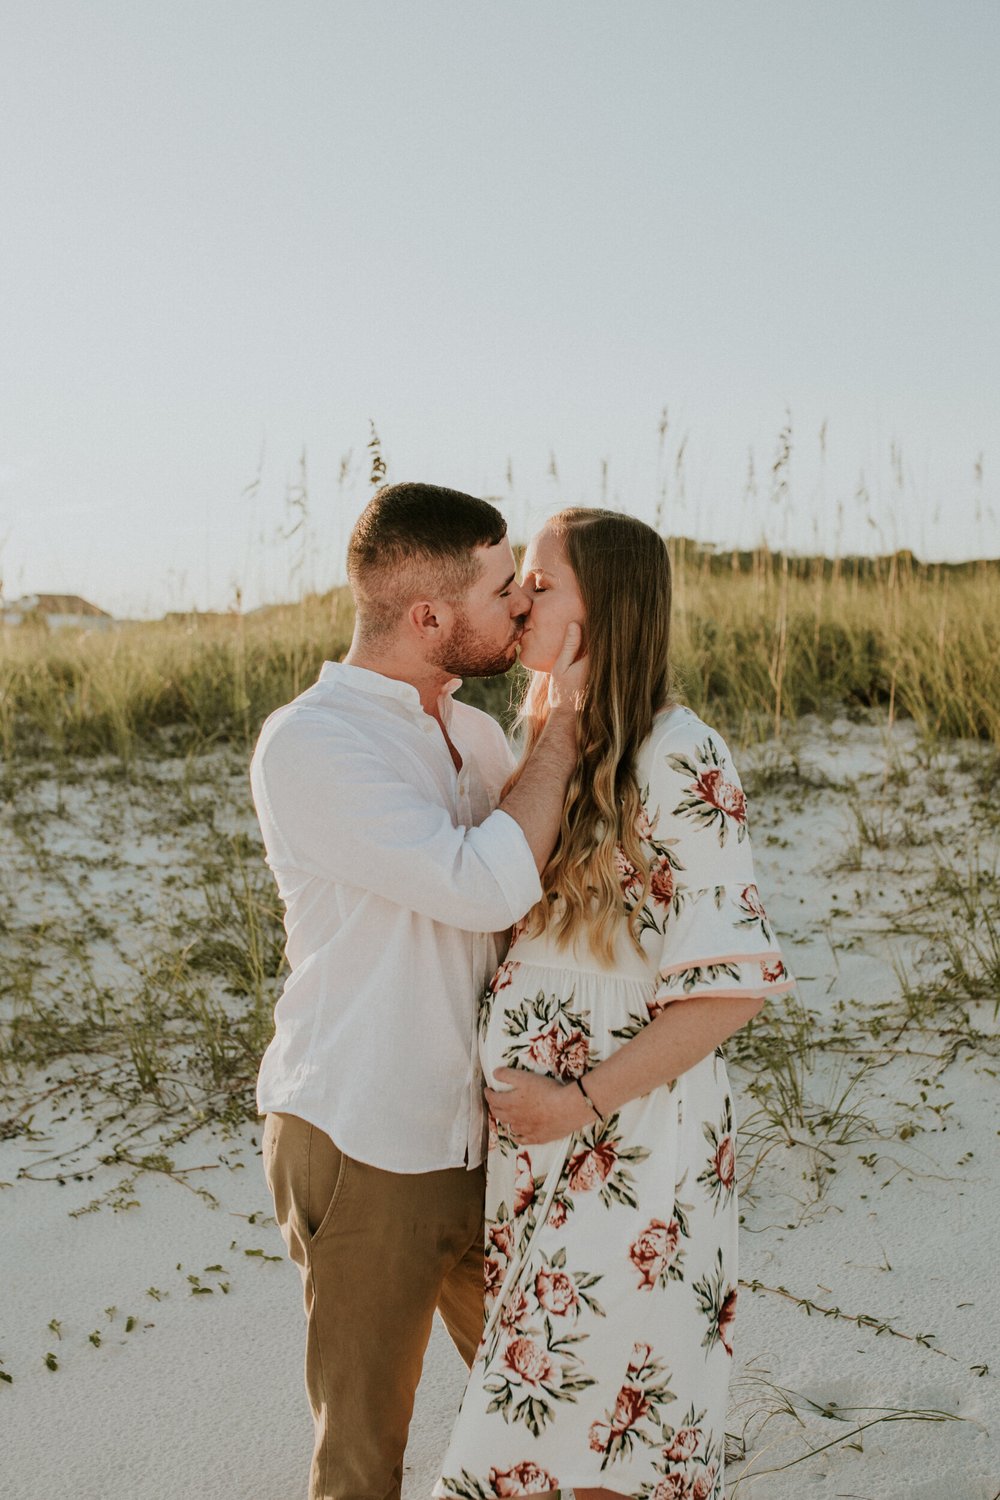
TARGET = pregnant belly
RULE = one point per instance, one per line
(558, 1022)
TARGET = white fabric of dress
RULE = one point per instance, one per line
(611, 1257)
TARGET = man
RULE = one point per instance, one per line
(378, 798)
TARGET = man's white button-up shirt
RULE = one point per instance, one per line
(397, 873)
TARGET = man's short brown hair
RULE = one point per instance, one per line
(414, 539)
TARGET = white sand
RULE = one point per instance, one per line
(203, 1398)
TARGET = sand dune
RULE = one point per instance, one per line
(155, 1277)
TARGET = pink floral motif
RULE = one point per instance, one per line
(524, 1183)
(683, 1445)
(514, 1310)
(752, 904)
(559, 1055)
(725, 1161)
(525, 1478)
(674, 1487)
(771, 973)
(517, 931)
(493, 1273)
(492, 1134)
(639, 1396)
(643, 826)
(653, 1251)
(597, 1438)
(572, 1055)
(716, 1298)
(727, 1317)
(628, 876)
(630, 1407)
(556, 1292)
(719, 1173)
(528, 1362)
(503, 976)
(724, 795)
(591, 1166)
(661, 883)
(502, 1236)
(558, 1214)
(543, 1052)
(704, 1482)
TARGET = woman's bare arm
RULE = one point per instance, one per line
(536, 1108)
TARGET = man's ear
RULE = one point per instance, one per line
(428, 618)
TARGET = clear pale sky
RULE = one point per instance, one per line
(231, 231)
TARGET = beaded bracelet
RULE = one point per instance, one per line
(583, 1091)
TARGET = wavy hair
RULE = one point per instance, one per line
(622, 568)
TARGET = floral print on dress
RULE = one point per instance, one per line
(711, 799)
(563, 1294)
(717, 1300)
(503, 977)
(524, 1478)
(773, 972)
(636, 1415)
(611, 1256)
(754, 913)
(602, 1161)
(657, 1253)
(699, 977)
(689, 1465)
(532, 1374)
(719, 1175)
(536, 1363)
(548, 1037)
(665, 892)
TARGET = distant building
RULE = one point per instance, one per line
(55, 612)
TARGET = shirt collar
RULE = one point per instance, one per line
(363, 680)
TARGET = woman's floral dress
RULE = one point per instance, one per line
(611, 1269)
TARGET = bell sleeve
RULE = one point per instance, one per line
(715, 935)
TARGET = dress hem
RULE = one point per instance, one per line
(564, 1484)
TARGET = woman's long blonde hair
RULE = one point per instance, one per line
(622, 568)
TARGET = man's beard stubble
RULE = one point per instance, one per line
(466, 654)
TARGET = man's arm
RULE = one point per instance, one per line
(535, 802)
(329, 805)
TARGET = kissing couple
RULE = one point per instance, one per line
(496, 1087)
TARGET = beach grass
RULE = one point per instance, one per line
(759, 640)
(142, 948)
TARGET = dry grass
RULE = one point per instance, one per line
(759, 640)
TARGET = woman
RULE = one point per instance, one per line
(611, 1216)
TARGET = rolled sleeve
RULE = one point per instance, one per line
(506, 850)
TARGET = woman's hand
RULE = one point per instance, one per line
(568, 678)
(536, 1109)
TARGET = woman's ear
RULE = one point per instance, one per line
(584, 642)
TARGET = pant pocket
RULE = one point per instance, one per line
(326, 1175)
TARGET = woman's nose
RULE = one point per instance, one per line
(520, 602)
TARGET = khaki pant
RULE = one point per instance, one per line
(378, 1252)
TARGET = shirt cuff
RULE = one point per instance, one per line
(501, 844)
